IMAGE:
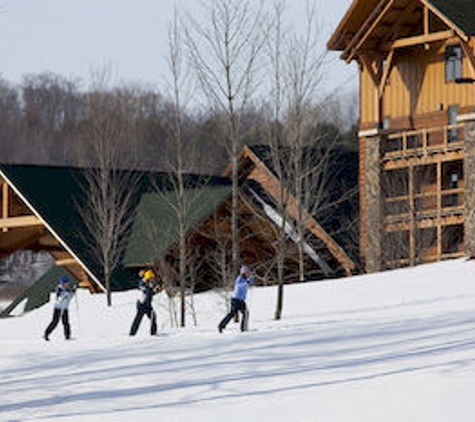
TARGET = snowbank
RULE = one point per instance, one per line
(396, 346)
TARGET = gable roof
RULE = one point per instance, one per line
(457, 14)
(54, 193)
(155, 228)
(50, 192)
(256, 165)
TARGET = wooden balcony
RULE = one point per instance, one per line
(424, 146)
(426, 210)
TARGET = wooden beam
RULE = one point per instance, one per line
(444, 19)
(273, 186)
(369, 31)
(469, 54)
(426, 20)
(18, 222)
(376, 78)
(16, 240)
(412, 229)
(362, 28)
(404, 162)
(66, 261)
(426, 25)
(369, 68)
(419, 40)
(439, 210)
(386, 73)
(49, 241)
(5, 203)
(44, 223)
(425, 223)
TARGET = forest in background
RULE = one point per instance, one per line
(46, 119)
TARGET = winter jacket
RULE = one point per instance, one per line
(146, 292)
(241, 286)
(63, 297)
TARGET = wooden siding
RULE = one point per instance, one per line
(405, 102)
(416, 87)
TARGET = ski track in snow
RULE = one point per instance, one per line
(397, 346)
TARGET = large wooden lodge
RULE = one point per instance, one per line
(416, 66)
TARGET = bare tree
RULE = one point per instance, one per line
(181, 155)
(109, 182)
(10, 122)
(176, 70)
(50, 104)
(274, 44)
(303, 68)
(224, 54)
(297, 65)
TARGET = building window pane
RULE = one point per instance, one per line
(452, 134)
(453, 62)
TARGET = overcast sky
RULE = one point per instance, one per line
(73, 38)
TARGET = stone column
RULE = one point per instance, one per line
(373, 221)
(469, 179)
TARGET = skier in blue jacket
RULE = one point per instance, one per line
(238, 300)
(64, 293)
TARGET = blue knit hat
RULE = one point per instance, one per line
(245, 270)
(64, 279)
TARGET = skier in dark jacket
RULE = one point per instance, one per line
(64, 293)
(148, 286)
(238, 300)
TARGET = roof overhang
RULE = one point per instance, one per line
(367, 21)
(37, 220)
(271, 184)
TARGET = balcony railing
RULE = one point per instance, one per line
(423, 142)
(425, 205)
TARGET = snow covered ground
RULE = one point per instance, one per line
(394, 347)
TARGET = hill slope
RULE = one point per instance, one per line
(392, 347)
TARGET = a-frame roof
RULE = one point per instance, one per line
(371, 20)
(50, 193)
(256, 165)
(54, 193)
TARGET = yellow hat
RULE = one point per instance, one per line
(148, 275)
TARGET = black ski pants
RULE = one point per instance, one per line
(141, 311)
(57, 315)
(237, 305)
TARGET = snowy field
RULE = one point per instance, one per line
(393, 347)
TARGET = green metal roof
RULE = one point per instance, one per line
(460, 12)
(155, 229)
(55, 192)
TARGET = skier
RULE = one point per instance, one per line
(148, 286)
(238, 300)
(64, 293)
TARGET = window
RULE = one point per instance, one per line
(452, 133)
(453, 62)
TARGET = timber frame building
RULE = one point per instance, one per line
(416, 65)
(40, 212)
